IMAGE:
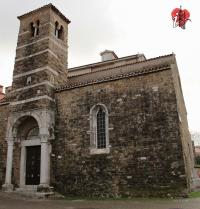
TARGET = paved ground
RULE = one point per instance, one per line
(8, 201)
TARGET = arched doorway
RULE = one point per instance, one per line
(28, 138)
(26, 131)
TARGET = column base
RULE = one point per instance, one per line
(44, 188)
(7, 187)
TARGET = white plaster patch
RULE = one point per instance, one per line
(155, 88)
(142, 158)
(119, 100)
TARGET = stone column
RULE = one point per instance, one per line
(22, 166)
(45, 164)
(8, 185)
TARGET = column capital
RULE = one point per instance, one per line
(44, 138)
(10, 142)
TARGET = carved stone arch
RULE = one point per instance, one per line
(15, 121)
(98, 105)
(25, 128)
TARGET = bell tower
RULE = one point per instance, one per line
(41, 54)
(42, 48)
(40, 65)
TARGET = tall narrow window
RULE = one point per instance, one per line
(59, 31)
(56, 29)
(99, 131)
(32, 29)
(35, 28)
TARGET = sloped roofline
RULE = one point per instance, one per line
(105, 62)
(45, 7)
(95, 64)
(105, 78)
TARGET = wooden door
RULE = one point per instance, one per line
(33, 154)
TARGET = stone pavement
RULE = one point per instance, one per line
(8, 201)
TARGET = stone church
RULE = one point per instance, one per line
(115, 128)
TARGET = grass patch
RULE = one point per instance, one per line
(194, 194)
(144, 199)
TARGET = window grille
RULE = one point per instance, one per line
(101, 129)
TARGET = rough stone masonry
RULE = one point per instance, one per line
(116, 128)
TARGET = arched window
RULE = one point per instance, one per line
(35, 28)
(99, 131)
(32, 30)
(59, 31)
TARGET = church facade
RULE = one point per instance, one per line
(116, 128)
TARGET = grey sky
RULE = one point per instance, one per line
(125, 26)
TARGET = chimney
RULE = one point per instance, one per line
(108, 55)
(2, 95)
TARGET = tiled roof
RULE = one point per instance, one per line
(4, 101)
(72, 85)
(119, 72)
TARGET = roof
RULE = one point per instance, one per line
(118, 72)
(45, 7)
(4, 101)
(115, 72)
(135, 56)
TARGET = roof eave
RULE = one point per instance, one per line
(45, 7)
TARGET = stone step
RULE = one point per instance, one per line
(33, 194)
(20, 194)
(27, 188)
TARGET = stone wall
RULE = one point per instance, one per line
(146, 156)
(188, 151)
(3, 144)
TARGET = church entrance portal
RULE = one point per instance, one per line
(30, 163)
(33, 165)
(30, 133)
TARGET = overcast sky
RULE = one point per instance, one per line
(125, 26)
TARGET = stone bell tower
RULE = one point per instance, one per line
(40, 65)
